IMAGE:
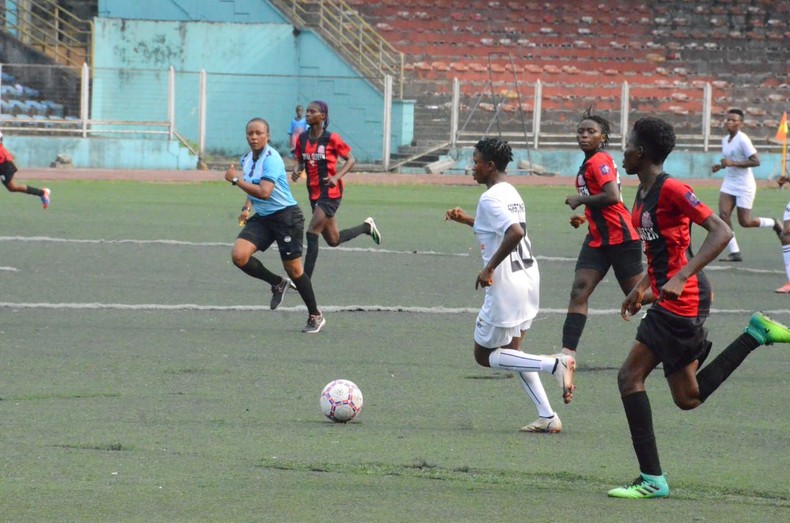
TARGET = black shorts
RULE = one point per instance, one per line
(675, 340)
(7, 170)
(286, 227)
(328, 205)
(625, 258)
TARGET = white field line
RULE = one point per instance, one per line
(178, 243)
(9, 269)
(186, 307)
(346, 249)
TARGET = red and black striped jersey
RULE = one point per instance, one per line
(663, 218)
(610, 225)
(320, 159)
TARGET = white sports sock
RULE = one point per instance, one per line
(733, 246)
(517, 361)
(766, 222)
(786, 256)
(532, 385)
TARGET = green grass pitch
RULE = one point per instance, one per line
(143, 377)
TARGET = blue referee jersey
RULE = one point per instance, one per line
(269, 166)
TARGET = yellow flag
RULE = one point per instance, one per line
(781, 134)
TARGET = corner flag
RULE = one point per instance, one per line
(781, 133)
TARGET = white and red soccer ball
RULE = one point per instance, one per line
(341, 401)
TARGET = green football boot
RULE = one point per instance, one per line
(642, 488)
(767, 331)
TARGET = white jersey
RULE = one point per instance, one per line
(515, 294)
(737, 180)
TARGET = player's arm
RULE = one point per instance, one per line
(609, 195)
(348, 164)
(639, 294)
(261, 190)
(719, 234)
(456, 214)
(245, 211)
(751, 161)
(513, 235)
(299, 163)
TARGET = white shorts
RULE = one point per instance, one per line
(491, 337)
(744, 196)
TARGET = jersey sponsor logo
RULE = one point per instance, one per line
(692, 198)
(647, 231)
(647, 235)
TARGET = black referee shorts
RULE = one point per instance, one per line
(675, 340)
(286, 227)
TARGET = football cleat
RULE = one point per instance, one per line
(551, 425)
(45, 197)
(642, 488)
(278, 293)
(784, 289)
(732, 257)
(374, 231)
(314, 323)
(766, 330)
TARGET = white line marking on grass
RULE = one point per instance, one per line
(324, 308)
(210, 244)
(743, 269)
(9, 269)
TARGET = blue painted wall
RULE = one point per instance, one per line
(105, 153)
(254, 69)
(244, 11)
(680, 164)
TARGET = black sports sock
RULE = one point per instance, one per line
(353, 232)
(312, 254)
(640, 421)
(305, 288)
(572, 329)
(718, 370)
(34, 191)
(256, 269)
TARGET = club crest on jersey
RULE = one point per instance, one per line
(692, 198)
(604, 169)
(646, 230)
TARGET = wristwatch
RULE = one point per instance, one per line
(235, 180)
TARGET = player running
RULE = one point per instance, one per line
(317, 152)
(7, 171)
(511, 281)
(611, 240)
(672, 331)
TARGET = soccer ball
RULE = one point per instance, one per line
(341, 400)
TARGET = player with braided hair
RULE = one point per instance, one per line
(511, 281)
(317, 152)
(611, 241)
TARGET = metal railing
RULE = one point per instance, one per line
(359, 42)
(48, 28)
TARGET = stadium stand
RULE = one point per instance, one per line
(583, 52)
